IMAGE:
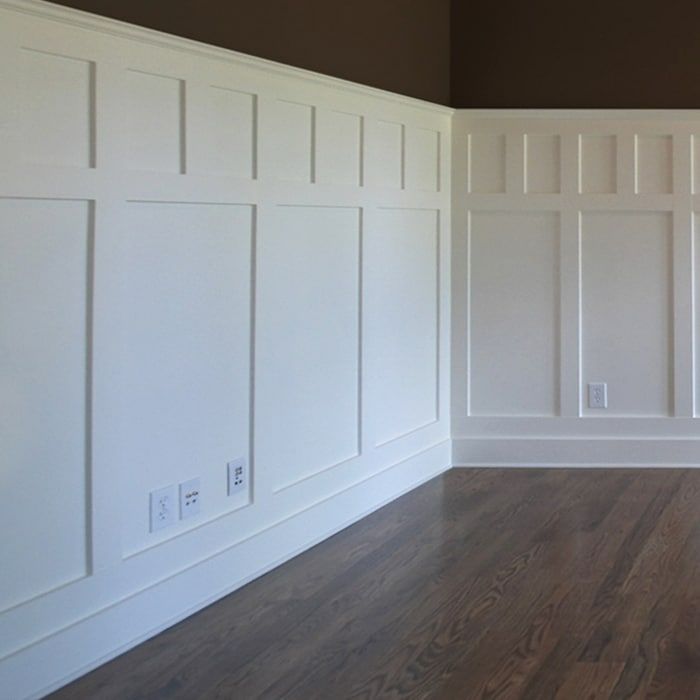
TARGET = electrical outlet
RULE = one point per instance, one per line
(163, 507)
(237, 476)
(189, 498)
(597, 395)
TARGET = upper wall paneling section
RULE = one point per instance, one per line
(155, 122)
(340, 148)
(386, 144)
(228, 134)
(597, 164)
(292, 142)
(57, 109)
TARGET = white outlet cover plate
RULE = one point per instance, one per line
(190, 495)
(597, 395)
(237, 476)
(163, 507)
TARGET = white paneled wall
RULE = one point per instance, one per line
(573, 262)
(203, 256)
(206, 257)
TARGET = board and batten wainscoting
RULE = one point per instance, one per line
(203, 257)
(574, 252)
(207, 257)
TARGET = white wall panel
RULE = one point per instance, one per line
(514, 281)
(155, 125)
(57, 109)
(696, 309)
(45, 265)
(654, 164)
(385, 154)
(403, 320)
(422, 148)
(486, 169)
(627, 309)
(598, 163)
(339, 148)
(308, 347)
(185, 375)
(229, 134)
(291, 147)
(542, 163)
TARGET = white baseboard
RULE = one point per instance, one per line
(575, 452)
(62, 657)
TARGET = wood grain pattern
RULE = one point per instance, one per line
(484, 583)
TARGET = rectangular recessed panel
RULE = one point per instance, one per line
(696, 262)
(183, 386)
(542, 163)
(154, 122)
(422, 159)
(627, 313)
(654, 163)
(291, 142)
(307, 397)
(339, 148)
(402, 254)
(57, 110)
(385, 155)
(514, 302)
(44, 272)
(597, 164)
(487, 163)
(228, 139)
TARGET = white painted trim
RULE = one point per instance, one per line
(506, 427)
(88, 20)
(590, 451)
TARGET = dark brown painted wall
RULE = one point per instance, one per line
(490, 53)
(397, 45)
(583, 53)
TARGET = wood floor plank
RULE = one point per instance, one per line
(533, 584)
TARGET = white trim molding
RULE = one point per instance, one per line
(535, 452)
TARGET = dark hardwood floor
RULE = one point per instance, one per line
(490, 583)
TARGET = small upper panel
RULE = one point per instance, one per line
(542, 173)
(653, 164)
(486, 164)
(155, 128)
(57, 110)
